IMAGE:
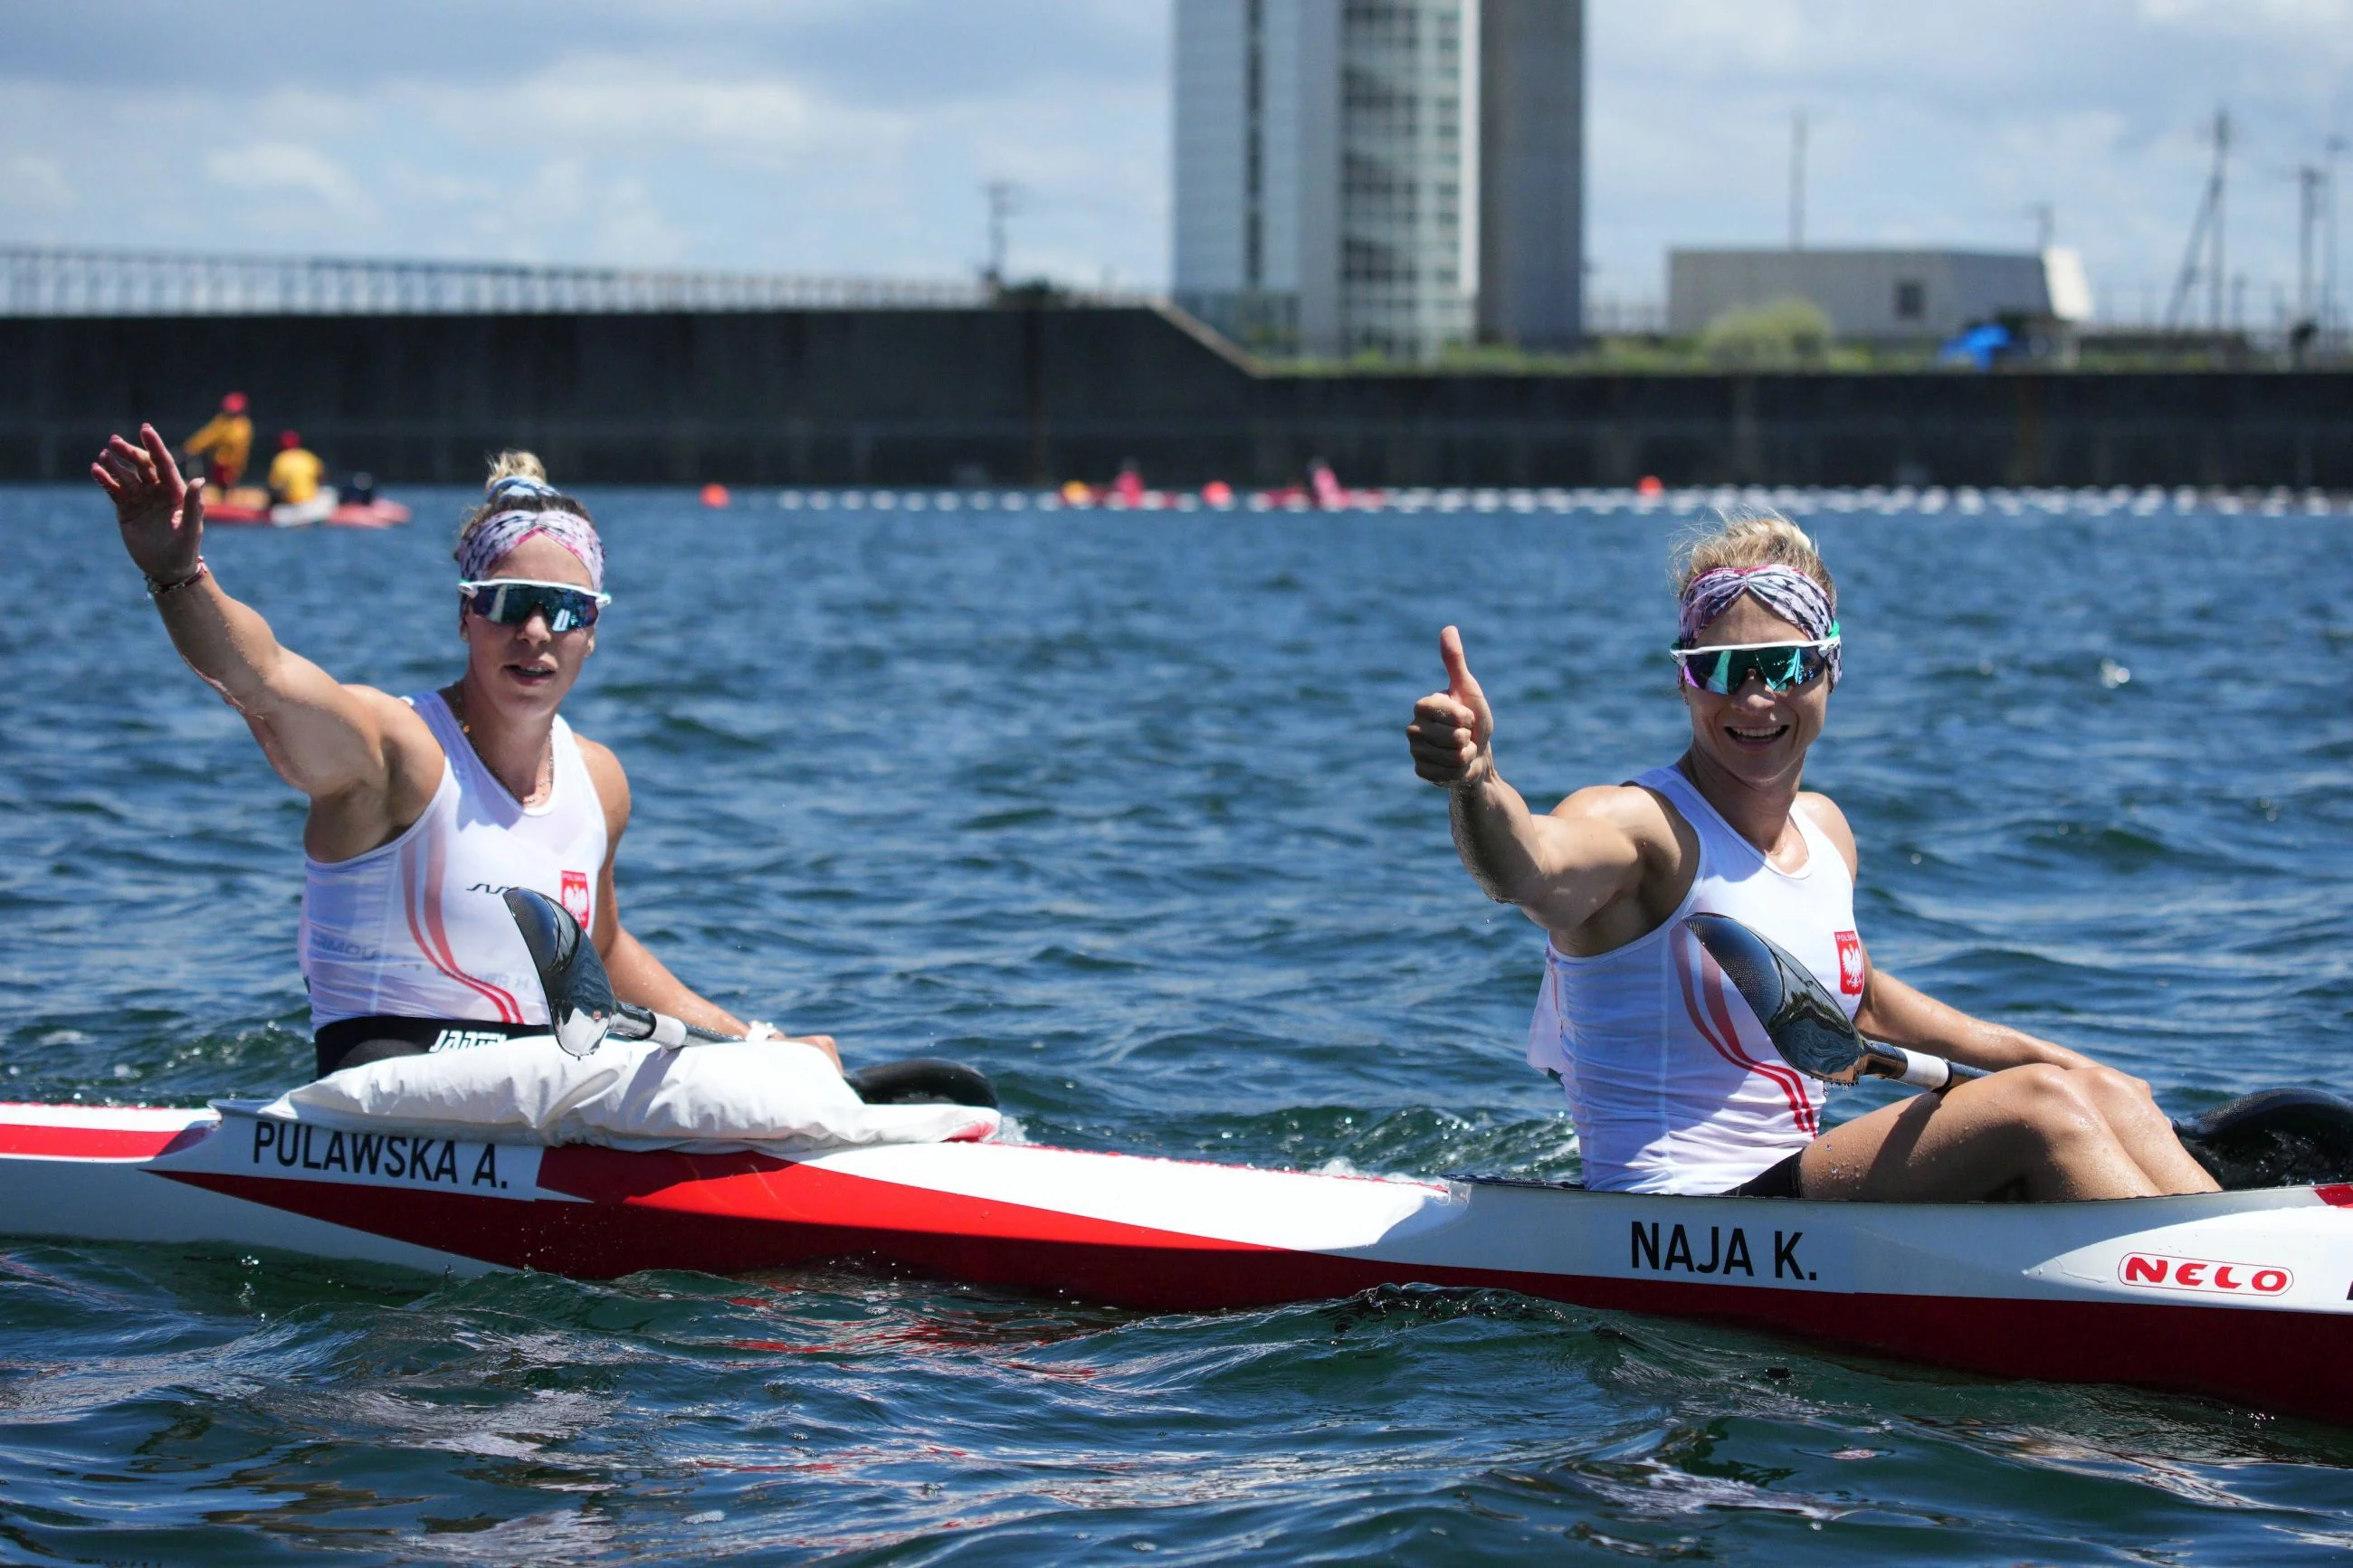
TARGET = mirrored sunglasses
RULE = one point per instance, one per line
(513, 601)
(1782, 666)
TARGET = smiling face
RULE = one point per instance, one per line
(525, 672)
(1758, 737)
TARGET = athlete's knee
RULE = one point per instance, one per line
(2050, 1104)
(2125, 1101)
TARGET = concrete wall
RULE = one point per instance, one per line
(806, 396)
(935, 397)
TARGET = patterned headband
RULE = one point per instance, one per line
(1784, 590)
(491, 539)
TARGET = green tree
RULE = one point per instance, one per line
(1785, 334)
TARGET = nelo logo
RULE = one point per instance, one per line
(576, 895)
(2148, 1268)
(1850, 963)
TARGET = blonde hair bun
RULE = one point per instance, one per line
(1750, 536)
(516, 465)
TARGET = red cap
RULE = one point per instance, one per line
(233, 403)
(288, 438)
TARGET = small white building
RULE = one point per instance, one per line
(1880, 295)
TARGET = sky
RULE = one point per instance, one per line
(854, 137)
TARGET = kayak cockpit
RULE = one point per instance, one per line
(2278, 1138)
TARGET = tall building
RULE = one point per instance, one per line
(1327, 164)
(1531, 173)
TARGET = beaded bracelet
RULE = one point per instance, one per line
(157, 588)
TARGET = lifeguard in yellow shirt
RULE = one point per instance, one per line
(295, 472)
(225, 443)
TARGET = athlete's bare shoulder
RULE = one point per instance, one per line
(612, 781)
(1825, 814)
(1628, 809)
(1631, 838)
(1654, 836)
(390, 710)
(411, 754)
(387, 768)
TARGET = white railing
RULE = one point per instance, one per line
(45, 281)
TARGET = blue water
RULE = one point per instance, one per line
(1116, 807)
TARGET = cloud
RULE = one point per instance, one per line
(854, 136)
(606, 100)
(283, 168)
(1945, 124)
(34, 181)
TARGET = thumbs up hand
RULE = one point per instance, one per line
(1453, 730)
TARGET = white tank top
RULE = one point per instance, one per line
(1674, 1086)
(418, 929)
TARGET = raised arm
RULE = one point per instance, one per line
(1560, 871)
(362, 755)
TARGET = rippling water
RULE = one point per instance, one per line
(1115, 806)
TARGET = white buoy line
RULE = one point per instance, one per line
(1923, 500)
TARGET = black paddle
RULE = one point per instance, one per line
(1803, 1020)
(2273, 1138)
(582, 1012)
(581, 1006)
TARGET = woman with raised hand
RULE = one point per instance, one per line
(1673, 1088)
(424, 808)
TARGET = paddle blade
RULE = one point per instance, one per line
(1800, 1016)
(1747, 960)
(580, 1005)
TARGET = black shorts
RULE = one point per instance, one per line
(1779, 1180)
(355, 1042)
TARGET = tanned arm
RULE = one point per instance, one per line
(364, 759)
(1559, 870)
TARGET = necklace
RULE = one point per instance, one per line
(543, 776)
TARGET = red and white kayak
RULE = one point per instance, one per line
(2243, 1295)
(325, 508)
(367, 514)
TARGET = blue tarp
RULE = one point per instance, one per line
(1978, 346)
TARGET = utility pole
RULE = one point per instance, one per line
(1001, 204)
(2206, 234)
(2311, 189)
(2328, 317)
(2222, 180)
(2046, 223)
(1798, 181)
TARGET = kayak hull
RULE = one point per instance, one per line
(2239, 1295)
(326, 509)
(368, 514)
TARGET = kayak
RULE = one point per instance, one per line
(2244, 1295)
(367, 514)
(323, 508)
(274, 514)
